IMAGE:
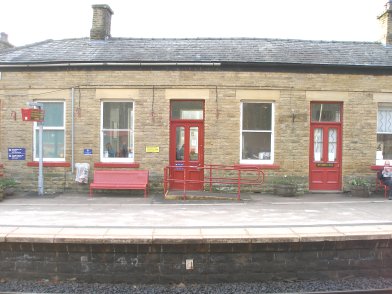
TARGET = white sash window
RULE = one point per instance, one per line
(257, 132)
(117, 131)
(53, 135)
(384, 133)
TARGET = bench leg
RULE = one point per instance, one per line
(91, 192)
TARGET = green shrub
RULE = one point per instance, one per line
(7, 183)
(359, 181)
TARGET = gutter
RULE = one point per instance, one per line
(306, 65)
(225, 65)
(133, 64)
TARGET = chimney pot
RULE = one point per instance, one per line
(102, 15)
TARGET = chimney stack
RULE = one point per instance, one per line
(386, 24)
(102, 16)
(4, 44)
(4, 37)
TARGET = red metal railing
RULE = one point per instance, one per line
(214, 174)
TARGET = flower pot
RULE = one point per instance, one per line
(360, 191)
(286, 190)
(9, 191)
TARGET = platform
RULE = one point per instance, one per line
(106, 216)
(131, 239)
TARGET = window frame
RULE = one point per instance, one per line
(132, 130)
(272, 131)
(382, 106)
(36, 129)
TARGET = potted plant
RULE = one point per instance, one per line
(359, 187)
(285, 185)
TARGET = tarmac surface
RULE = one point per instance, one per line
(119, 218)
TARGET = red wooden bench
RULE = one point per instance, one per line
(120, 180)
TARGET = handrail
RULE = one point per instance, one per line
(232, 175)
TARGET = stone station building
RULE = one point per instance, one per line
(319, 110)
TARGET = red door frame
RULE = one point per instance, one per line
(324, 174)
(191, 166)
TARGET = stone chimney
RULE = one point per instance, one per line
(102, 17)
(386, 24)
(4, 44)
(4, 37)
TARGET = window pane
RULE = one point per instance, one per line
(326, 112)
(180, 139)
(257, 116)
(332, 142)
(54, 114)
(384, 144)
(53, 144)
(117, 115)
(187, 110)
(117, 144)
(318, 144)
(194, 143)
(256, 145)
(384, 121)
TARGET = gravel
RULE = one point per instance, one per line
(45, 286)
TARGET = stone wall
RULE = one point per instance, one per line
(212, 262)
(222, 91)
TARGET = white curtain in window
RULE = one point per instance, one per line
(384, 121)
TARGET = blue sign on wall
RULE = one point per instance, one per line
(16, 153)
(88, 152)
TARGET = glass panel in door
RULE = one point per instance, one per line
(318, 144)
(180, 140)
(332, 144)
(193, 143)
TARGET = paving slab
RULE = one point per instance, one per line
(256, 218)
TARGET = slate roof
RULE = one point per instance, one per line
(202, 50)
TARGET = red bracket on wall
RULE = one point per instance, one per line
(261, 166)
(49, 164)
(116, 165)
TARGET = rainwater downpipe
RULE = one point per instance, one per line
(72, 128)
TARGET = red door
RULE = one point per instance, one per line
(186, 145)
(325, 166)
(186, 155)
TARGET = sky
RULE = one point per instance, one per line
(30, 21)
